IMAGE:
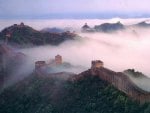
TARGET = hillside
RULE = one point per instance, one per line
(143, 24)
(109, 27)
(10, 60)
(53, 30)
(57, 95)
(113, 27)
(26, 35)
(104, 27)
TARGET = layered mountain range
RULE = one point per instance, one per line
(112, 27)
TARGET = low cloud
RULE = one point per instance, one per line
(119, 50)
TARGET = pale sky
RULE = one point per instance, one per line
(73, 8)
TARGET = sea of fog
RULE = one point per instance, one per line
(119, 50)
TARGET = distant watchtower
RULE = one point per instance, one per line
(97, 64)
(58, 59)
(22, 24)
(85, 28)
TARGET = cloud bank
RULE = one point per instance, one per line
(119, 50)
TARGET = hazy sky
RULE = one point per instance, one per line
(73, 8)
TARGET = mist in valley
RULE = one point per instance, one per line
(118, 50)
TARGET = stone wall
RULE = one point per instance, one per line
(123, 83)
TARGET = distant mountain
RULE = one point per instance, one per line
(142, 24)
(86, 28)
(53, 30)
(105, 27)
(109, 27)
(112, 27)
(26, 35)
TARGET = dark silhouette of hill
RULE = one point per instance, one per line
(142, 24)
(26, 35)
(109, 27)
(105, 27)
(54, 94)
(112, 27)
(53, 30)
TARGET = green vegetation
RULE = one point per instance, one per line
(53, 95)
(26, 35)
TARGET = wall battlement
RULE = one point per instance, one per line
(121, 82)
(41, 66)
(96, 64)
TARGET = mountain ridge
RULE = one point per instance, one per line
(49, 94)
(113, 27)
(25, 35)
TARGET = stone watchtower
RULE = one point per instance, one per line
(85, 27)
(58, 59)
(96, 64)
(22, 24)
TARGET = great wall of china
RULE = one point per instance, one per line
(120, 81)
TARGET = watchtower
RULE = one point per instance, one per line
(97, 64)
(58, 59)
